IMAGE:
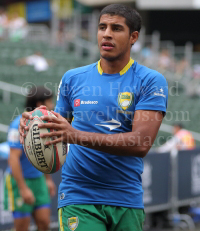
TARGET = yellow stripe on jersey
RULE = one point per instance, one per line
(127, 67)
(122, 72)
(60, 219)
(10, 192)
(99, 68)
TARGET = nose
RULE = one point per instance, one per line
(107, 33)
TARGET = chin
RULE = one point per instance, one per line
(109, 57)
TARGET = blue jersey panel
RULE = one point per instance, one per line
(28, 170)
(105, 103)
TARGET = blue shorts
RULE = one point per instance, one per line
(18, 215)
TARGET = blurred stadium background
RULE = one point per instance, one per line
(64, 31)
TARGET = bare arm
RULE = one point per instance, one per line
(136, 143)
(14, 162)
(50, 184)
(21, 62)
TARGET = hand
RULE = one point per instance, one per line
(51, 186)
(27, 195)
(63, 131)
(22, 125)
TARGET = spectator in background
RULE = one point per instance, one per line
(165, 62)
(137, 47)
(3, 22)
(182, 140)
(164, 59)
(27, 187)
(196, 71)
(37, 60)
(182, 67)
(3, 17)
(61, 33)
(147, 56)
(17, 27)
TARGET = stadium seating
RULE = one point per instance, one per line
(10, 73)
(180, 107)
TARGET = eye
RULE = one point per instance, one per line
(101, 27)
(117, 28)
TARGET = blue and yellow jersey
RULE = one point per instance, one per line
(106, 103)
(28, 170)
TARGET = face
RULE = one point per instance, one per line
(48, 103)
(114, 38)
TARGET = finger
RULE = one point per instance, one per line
(51, 119)
(21, 132)
(56, 114)
(20, 128)
(50, 125)
(50, 134)
(58, 140)
(27, 115)
(21, 139)
(22, 123)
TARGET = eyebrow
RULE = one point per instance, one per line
(114, 24)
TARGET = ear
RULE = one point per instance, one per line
(134, 37)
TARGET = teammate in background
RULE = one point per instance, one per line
(182, 140)
(26, 187)
(117, 106)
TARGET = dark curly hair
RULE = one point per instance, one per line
(133, 18)
(37, 94)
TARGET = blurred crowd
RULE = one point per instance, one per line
(12, 26)
(165, 61)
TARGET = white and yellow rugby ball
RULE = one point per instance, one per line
(46, 158)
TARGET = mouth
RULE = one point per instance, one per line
(107, 46)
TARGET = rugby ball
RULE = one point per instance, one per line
(46, 158)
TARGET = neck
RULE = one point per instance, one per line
(115, 66)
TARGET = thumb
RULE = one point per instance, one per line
(56, 114)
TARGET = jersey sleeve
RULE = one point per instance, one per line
(153, 94)
(14, 137)
(63, 106)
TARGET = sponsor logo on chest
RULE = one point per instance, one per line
(78, 102)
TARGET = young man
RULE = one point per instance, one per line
(117, 107)
(26, 187)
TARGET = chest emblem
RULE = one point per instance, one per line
(125, 100)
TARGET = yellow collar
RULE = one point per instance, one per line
(122, 72)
